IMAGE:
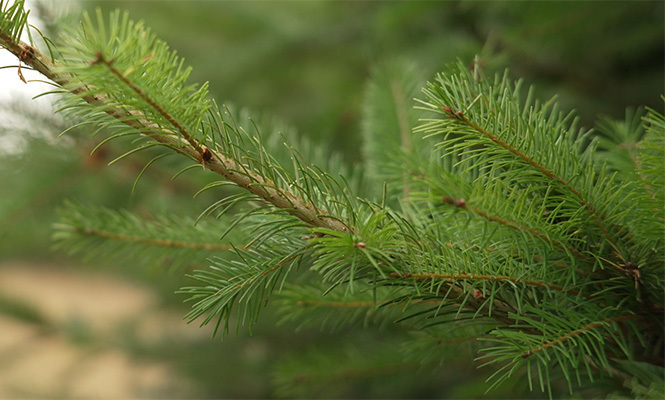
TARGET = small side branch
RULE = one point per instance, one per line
(269, 271)
(460, 116)
(472, 277)
(404, 129)
(152, 241)
(156, 106)
(360, 304)
(462, 203)
(577, 332)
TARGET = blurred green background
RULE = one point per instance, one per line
(308, 64)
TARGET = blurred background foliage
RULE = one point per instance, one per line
(309, 64)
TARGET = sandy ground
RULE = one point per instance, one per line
(50, 360)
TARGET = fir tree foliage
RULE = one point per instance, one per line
(171, 242)
(499, 215)
(14, 20)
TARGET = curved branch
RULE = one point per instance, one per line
(210, 159)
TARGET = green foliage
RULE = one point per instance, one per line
(303, 304)
(13, 20)
(388, 119)
(495, 222)
(101, 57)
(104, 234)
(334, 372)
(241, 287)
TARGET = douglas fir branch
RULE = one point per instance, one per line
(489, 219)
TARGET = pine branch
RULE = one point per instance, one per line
(13, 20)
(462, 204)
(141, 123)
(568, 336)
(457, 103)
(542, 244)
(100, 233)
(388, 121)
(337, 309)
(204, 153)
(168, 243)
(456, 277)
(242, 286)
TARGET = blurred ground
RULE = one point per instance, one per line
(65, 336)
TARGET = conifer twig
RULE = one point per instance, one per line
(460, 116)
(476, 277)
(357, 304)
(404, 129)
(209, 158)
(152, 241)
(462, 203)
(577, 332)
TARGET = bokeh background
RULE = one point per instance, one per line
(94, 327)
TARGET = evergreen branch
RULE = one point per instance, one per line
(254, 183)
(272, 269)
(566, 338)
(461, 298)
(650, 159)
(358, 304)
(30, 56)
(570, 335)
(137, 120)
(463, 204)
(361, 304)
(244, 284)
(440, 342)
(466, 100)
(104, 233)
(387, 128)
(368, 305)
(532, 188)
(152, 241)
(400, 112)
(460, 116)
(644, 380)
(617, 142)
(204, 153)
(495, 278)
(404, 126)
(339, 304)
